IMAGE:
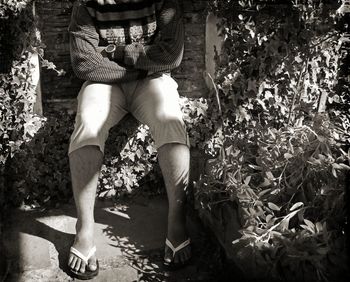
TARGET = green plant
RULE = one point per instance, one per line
(281, 160)
(19, 40)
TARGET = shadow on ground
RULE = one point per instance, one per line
(129, 236)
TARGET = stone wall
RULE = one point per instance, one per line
(54, 19)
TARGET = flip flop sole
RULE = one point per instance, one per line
(86, 275)
(176, 266)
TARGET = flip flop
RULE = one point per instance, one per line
(88, 274)
(172, 265)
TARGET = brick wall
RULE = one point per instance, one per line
(54, 18)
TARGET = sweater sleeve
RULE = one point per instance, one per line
(166, 51)
(87, 62)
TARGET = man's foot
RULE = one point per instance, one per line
(83, 244)
(176, 238)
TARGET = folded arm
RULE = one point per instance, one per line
(166, 51)
(87, 62)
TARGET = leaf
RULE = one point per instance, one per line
(296, 205)
(288, 156)
(344, 166)
(247, 180)
(266, 182)
(334, 172)
(270, 175)
(319, 227)
(307, 228)
(263, 192)
(336, 166)
(285, 221)
(256, 167)
(271, 134)
(268, 218)
(310, 224)
(274, 207)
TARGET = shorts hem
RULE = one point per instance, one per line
(173, 141)
(75, 147)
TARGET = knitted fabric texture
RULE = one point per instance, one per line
(148, 35)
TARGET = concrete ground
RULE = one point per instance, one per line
(129, 239)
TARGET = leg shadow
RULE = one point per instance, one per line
(27, 253)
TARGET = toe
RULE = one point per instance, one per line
(92, 265)
(77, 265)
(72, 263)
(82, 267)
(167, 255)
(167, 259)
(70, 260)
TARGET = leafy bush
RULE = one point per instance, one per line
(281, 159)
(18, 122)
(38, 174)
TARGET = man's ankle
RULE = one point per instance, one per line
(85, 229)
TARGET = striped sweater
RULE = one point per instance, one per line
(148, 35)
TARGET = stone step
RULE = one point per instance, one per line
(37, 243)
(129, 238)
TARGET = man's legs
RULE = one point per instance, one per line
(100, 106)
(156, 103)
(85, 164)
(174, 160)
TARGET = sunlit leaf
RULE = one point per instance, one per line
(273, 206)
(296, 205)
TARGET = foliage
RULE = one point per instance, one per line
(18, 94)
(17, 32)
(18, 123)
(281, 160)
(39, 171)
(19, 42)
(13, 7)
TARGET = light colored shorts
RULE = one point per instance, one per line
(154, 101)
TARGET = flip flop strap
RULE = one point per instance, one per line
(81, 256)
(179, 247)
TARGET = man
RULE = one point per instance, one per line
(124, 50)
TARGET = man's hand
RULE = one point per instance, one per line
(102, 51)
